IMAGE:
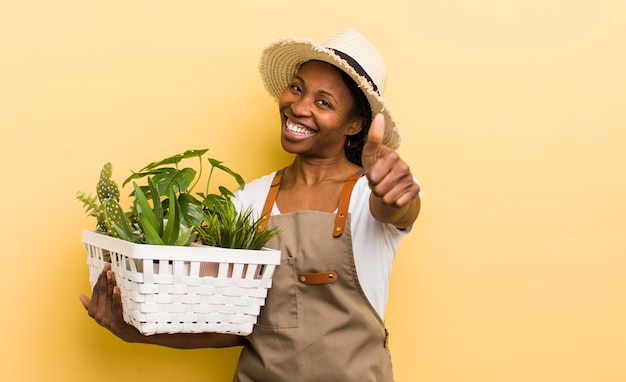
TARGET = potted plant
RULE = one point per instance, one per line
(185, 261)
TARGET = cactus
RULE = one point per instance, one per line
(112, 217)
(106, 209)
(107, 188)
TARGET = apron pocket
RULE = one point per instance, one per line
(281, 308)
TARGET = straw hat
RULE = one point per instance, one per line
(349, 51)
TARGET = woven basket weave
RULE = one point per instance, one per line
(167, 289)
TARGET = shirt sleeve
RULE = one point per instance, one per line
(253, 195)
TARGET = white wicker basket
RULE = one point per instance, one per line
(167, 289)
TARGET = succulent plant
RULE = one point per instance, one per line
(102, 206)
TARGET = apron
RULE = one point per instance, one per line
(317, 324)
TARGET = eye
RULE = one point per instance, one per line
(324, 103)
(295, 88)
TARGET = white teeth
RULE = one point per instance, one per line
(296, 129)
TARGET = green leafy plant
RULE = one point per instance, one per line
(226, 227)
(165, 211)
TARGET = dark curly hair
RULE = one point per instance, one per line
(362, 110)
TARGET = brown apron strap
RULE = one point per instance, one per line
(269, 201)
(342, 209)
(344, 203)
(386, 344)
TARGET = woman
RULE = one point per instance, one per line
(323, 318)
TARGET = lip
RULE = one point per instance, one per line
(296, 131)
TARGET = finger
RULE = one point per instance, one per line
(85, 301)
(116, 306)
(401, 195)
(108, 317)
(391, 180)
(98, 291)
(377, 130)
(407, 197)
(383, 167)
(104, 292)
(374, 141)
(110, 285)
(391, 187)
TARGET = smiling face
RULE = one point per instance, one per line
(317, 112)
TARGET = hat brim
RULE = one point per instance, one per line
(281, 60)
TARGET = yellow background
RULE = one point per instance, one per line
(513, 114)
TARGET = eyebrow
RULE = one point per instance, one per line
(323, 92)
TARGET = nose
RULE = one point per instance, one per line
(301, 107)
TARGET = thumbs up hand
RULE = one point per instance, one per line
(374, 147)
(394, 190)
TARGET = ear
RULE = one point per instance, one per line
(355, 126)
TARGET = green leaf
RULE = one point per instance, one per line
(156, 204)
(178, 180)
(190, 209)
(216, 203)
(225, 192)
(90, 203)
(218, 164)
(151, 235)
(123, 234)
(155, 172)
(145, 214)
(186, 237)
(156, 168)
(116, 221)
(170, 233)
(175, 159)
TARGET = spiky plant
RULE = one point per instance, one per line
(224, 226)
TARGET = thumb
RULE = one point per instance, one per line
(374, 141)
